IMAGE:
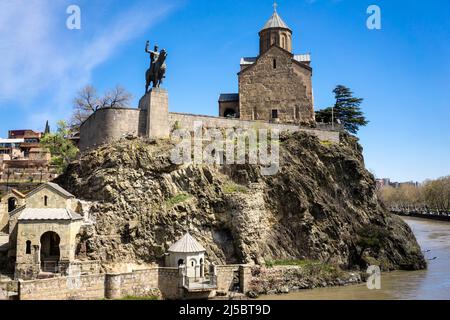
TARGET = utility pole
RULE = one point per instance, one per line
(332, 117)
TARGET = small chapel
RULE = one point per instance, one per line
(276, 85)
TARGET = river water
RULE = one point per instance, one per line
(431, 284)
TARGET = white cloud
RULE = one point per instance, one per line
(42, 64)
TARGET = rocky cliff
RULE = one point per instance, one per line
(321, 206)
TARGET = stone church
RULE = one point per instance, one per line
(276, 85)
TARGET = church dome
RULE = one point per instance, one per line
(275, 21)
(275, 32)
(187, 244)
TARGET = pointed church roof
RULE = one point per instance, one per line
(187, 244)
(275, 21)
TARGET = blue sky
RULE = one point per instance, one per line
(402, 70)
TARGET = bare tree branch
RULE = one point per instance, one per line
(87, 102)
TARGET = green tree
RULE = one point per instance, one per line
(63, 150)
(347, 110)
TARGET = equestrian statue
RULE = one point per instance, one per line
(157, 71)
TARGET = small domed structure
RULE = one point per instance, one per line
(190, 253)
(275, 32)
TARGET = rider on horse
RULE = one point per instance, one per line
(157, 69)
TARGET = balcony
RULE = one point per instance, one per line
(200, 284)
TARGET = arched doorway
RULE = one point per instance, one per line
(12, 204)
(50, 253)
(180, 262)
(230, 113)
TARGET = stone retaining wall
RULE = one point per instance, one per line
(91, 287)
(161, 282)
(112, 124)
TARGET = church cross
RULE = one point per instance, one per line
(275, 5)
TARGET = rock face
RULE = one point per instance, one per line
(317, 207)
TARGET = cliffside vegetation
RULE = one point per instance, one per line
(346, 110)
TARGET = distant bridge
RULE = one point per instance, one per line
(440, 216)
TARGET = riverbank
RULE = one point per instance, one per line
(431, 216)
(287, 279)
(430, 284)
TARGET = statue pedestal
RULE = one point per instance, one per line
(156, 103)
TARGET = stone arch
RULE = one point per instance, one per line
(180, 262)
(230, 113)
(192, 263)
(50, 252)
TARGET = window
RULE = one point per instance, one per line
(297, 113)
(274, 63)
(274, 114)
(45, 201)
(28, 250)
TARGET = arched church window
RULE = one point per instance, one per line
(274, 63)
(28, 249)
(45, 201)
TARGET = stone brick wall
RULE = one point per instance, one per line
(169, 283)
(91, 287)
(108, 125)
(156, 102)
(186, 121)
(277, 82)
(164, 282)
(139, 283)
(225, 277)
(54, 200)
(228, 105)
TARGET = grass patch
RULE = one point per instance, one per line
(326, 143)
(232, 187)
(179, 198)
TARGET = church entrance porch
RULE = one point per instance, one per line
(50, 252)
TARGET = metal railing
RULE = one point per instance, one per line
(200, 283)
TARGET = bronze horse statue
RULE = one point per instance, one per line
(157, 72)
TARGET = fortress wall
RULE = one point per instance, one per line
(108, 125)
(186, 121)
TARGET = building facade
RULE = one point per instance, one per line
(22, 159)
(41, 227)
(276, 85)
